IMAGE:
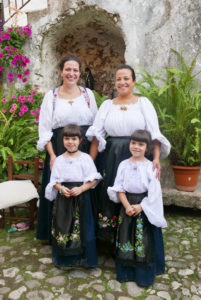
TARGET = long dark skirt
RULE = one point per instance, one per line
(145, 276)
(135, 238)
(117, 149)
(73, 232)
(44, 223)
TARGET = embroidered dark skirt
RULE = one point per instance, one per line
(135, 238)
(44, 223)
(73, 233)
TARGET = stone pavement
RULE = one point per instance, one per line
(27, 272)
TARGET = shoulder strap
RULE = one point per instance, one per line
(54, 98)
(85, 94)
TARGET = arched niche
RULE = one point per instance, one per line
(93, 35)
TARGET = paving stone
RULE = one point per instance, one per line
(98, 287)
(18, 239)
(124, 298)
(175, 285)
(176, 264)
(57, 280)
(164, 295)
(16, 294)
(33, 296)
(152, 297)
(161, 286)
(115, 285)
(4, 290)
(133, 289)
(11, 272)
(185, 292)
(96, 272)
(36, 275)
(109, 296)
(195, 297)
(77, 274)
(46, 250)
(64, 297)
(45, 260)
(2, 260)
(31, 284)
(185, 272)
(2, 282)
(19, 278)
(46, 295)
(5, 248)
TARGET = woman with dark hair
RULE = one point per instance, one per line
(115, 121)
(66, 104)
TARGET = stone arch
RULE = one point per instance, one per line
(93, 35)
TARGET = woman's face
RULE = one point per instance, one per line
(71, 72)
(124, 82)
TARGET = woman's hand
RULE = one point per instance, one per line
(156, 165)
(76, 191)
(52, 159)
(65, 191)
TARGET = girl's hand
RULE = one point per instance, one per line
(129, 210)
(156, 165)
(76, 191)
(66, 192)
(52, 159)
(137, 209)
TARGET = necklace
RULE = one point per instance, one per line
(72, 151)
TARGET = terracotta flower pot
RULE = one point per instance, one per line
(186, 178)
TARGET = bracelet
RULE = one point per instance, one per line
(60, 190)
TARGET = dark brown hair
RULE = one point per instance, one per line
(68, 58)
(142, 136)
(72, 130)
(129, 68)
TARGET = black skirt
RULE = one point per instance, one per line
(135, 237)
(44, 223)
(69, 223)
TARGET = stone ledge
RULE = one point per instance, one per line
(172, 196)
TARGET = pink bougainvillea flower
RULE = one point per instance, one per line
(1, 68)
(37, 88)
(4, 111)
(21, 97)
(10, 29)
(11, 80)
(13, 62)
(10, 75)
(2, 55)
(4, 120)
(14, 49)
(38, 108)
(25, 165)
(7, 48)
(25, 108)
(32, 112)
(40, 160)
(22, 109)
(14, 96)
(24, 79)
(21, 113)
(4, 100)
(26, 72)
(23, 101)
(32, 100)
(37, 115)
(7, 36)
(19, 75)
(33, 93)
(11, 110)
(14, 105)
(36, 120)
(14, 116)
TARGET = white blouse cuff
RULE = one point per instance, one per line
(42, 142)
(50, 191)
(165, 145)
(93, 132)
(112, 193)
(92, 177)
(155, 217)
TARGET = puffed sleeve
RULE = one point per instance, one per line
(93, 105)
(152, 125)
(89, 170)
(118, 184)
(50, 191)
(97, 129)
(152, 205)
(45, 121)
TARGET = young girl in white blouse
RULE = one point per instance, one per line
(73, 174)
(139, 243)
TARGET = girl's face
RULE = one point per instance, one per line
(137, 149)
(71, 143)
(71, 72)
(124, 82)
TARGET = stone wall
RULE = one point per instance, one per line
(106, 33)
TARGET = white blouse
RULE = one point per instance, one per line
(139, 178)
(62, 113)
(71, 169)
(123, 120)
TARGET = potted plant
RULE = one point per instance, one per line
(178, 104)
